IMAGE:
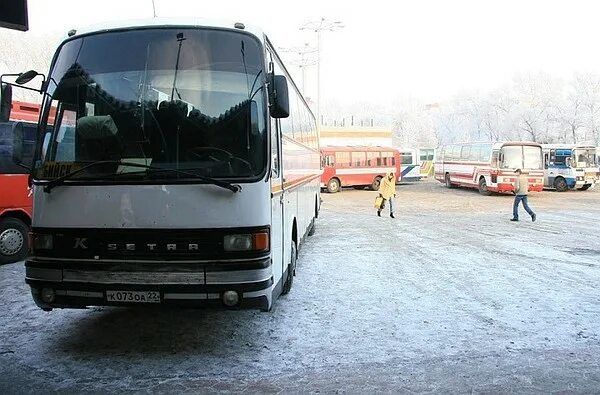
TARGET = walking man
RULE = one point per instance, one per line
(387, 190)
(521, 190)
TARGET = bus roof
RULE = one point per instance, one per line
(357, 148)
(498, 144)
(164, 22)
(568, 146)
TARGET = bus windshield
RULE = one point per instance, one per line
(7, 165)
(522, 157)
(584, 157)
(185, 99)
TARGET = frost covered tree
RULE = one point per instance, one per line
(571, 120)
(537, 96)
(586, 88)
(412, 125)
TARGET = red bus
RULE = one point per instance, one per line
(15, 194)
(357, 167)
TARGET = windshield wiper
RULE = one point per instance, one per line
(60, 180)
(223, 184)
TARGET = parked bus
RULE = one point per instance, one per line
(182, 168)
(570, 166)
(490, 167)
(357, 167)
(410, 163)
(15, 194)
(427, 158)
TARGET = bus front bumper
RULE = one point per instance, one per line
(56, 285)
(509, 187)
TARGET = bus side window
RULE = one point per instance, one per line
(329, 160)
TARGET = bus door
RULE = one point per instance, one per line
(277, 214)
(495, 164)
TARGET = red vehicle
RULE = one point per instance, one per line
(15, 194)
(358, 167)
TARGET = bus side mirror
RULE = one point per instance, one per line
(5, 102)
(280, 101)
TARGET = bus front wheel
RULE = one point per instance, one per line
(561, 185)
(13, 240)
(333, 185)
(483, 189)
(375, 184)
(291, 270)
(585, 187)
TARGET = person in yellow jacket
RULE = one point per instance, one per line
(387, 190)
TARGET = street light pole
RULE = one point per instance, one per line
(317, 27)
(319, 120)
(302, 61)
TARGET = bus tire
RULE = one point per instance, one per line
(448, 182)
(14, 243)
(585, 187)
(333, 185)
(375, 183)
(483, 189)
(561, 184)
(289, 278)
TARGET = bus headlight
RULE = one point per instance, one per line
(237, 243)
(42, 242)
(246, 242)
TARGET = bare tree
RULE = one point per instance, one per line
(570, 118)
(537, 95)
(586, 88)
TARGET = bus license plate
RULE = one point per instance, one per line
(133, 296)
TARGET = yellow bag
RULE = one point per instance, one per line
(378, 202)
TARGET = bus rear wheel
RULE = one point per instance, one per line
(561, 185)
(291, 270)
(376, 182)
(585, 187)
(13, 240)
(483, 189)
(333, 185)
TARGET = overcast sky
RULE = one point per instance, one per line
(427, 49)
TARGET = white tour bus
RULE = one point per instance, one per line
(490, 167)
(570, 166)
(182, 169)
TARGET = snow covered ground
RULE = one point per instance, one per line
(448, 297)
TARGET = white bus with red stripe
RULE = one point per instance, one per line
(490, 167)
(358, 167)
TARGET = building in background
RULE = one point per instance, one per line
(354, 136)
